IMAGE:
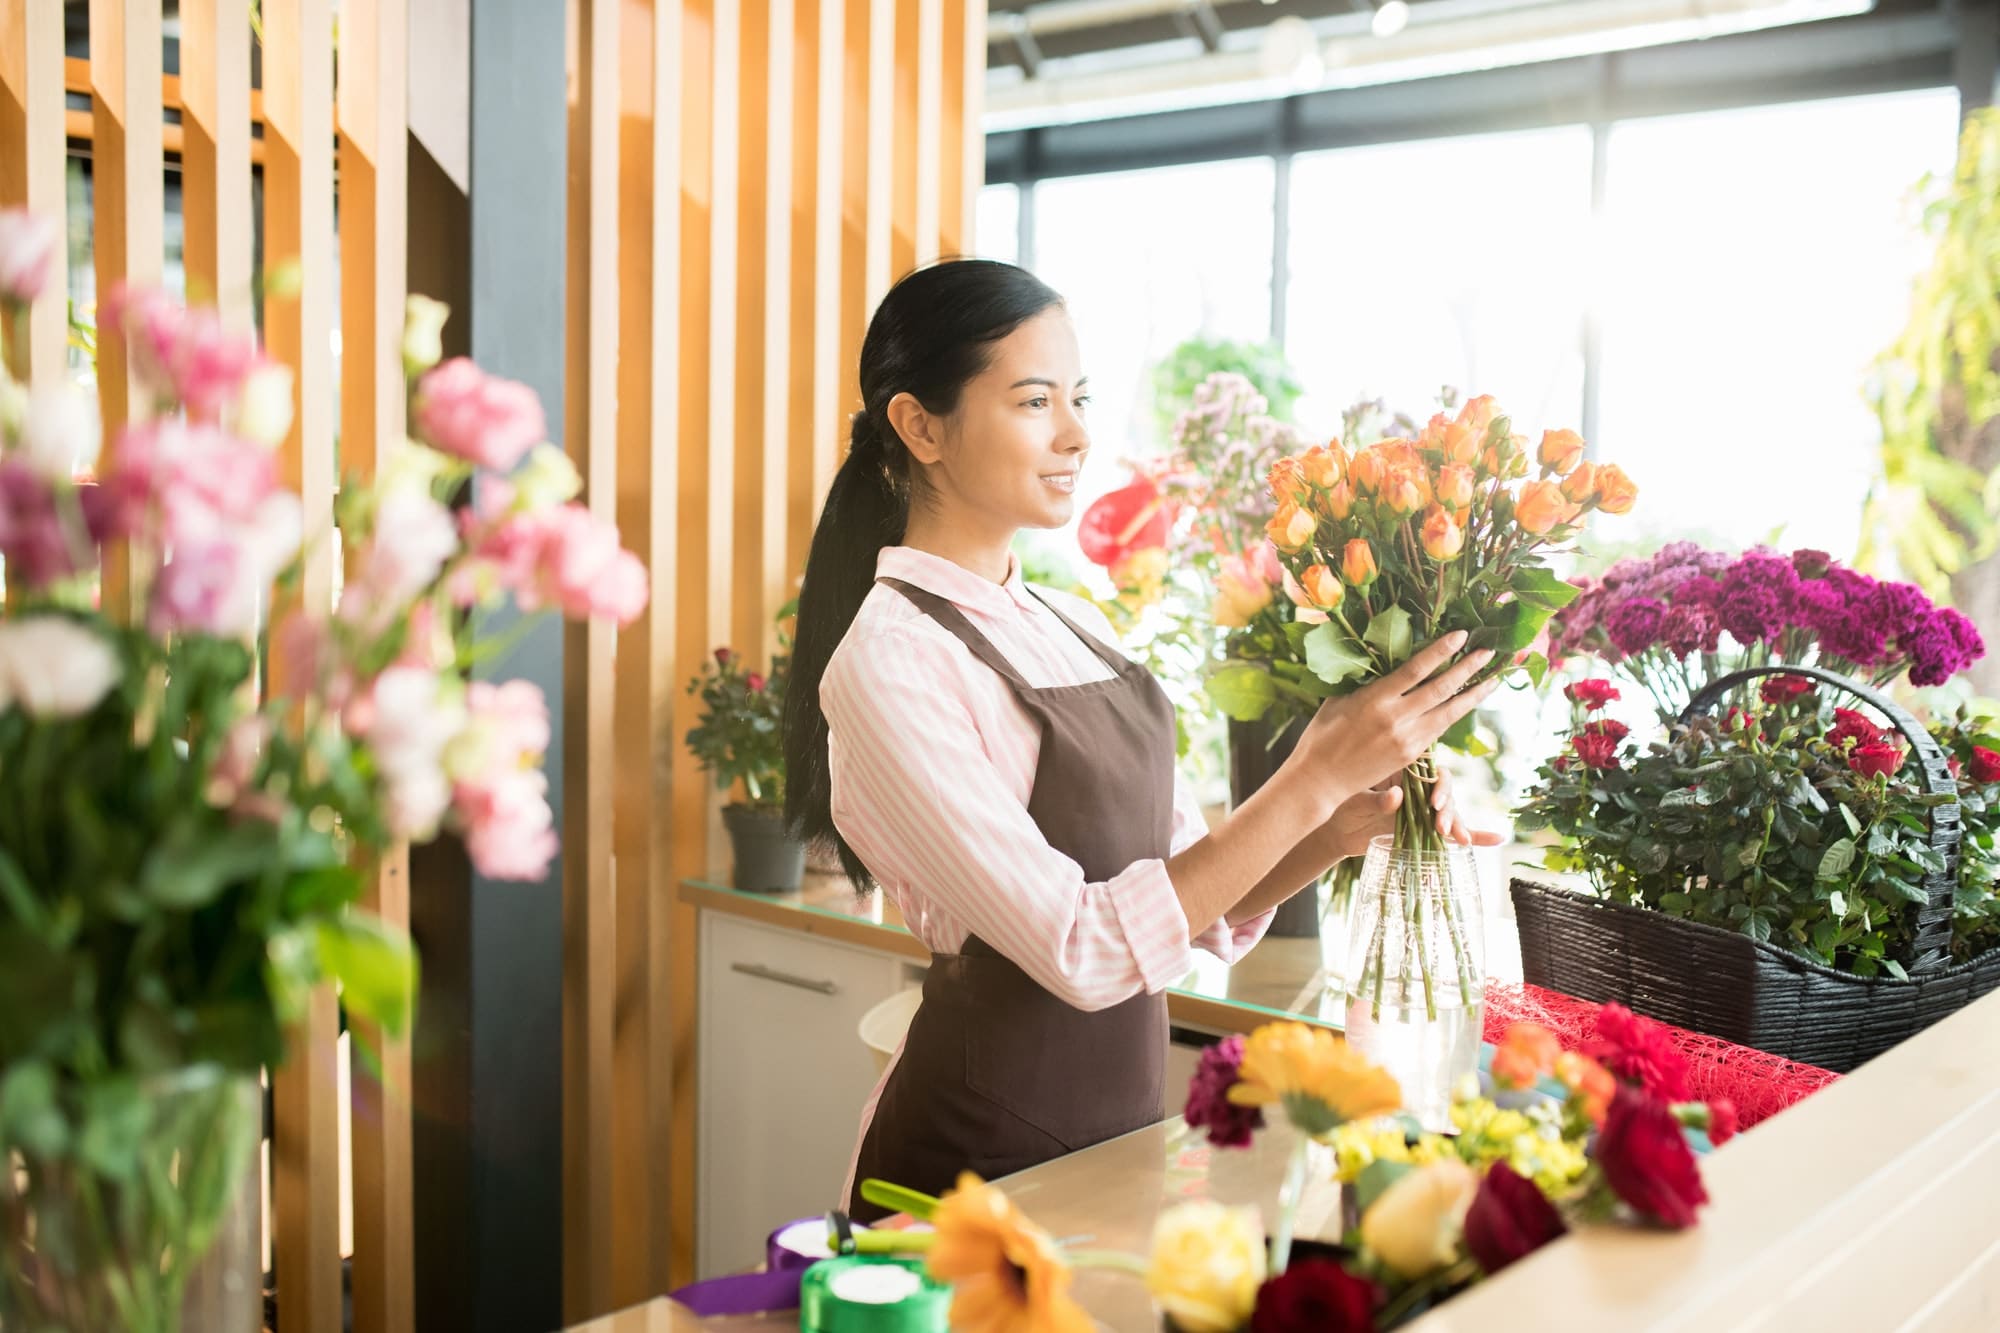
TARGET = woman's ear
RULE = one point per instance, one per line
(917, 427)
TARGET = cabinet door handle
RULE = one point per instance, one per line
(763, 973)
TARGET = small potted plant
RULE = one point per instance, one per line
(739, 739)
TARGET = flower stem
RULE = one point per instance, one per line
(1288, 1204)
(1406, 1300)
(1114, 1260)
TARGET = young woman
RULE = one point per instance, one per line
(982, 751)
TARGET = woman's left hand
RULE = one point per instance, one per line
(1373, 814)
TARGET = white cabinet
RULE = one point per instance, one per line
(783, 1075)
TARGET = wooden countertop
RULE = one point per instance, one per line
(1873, 1205)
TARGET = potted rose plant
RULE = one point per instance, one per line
(192, 797)
(1785, 857)
(738, 738)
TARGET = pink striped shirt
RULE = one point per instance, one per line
(932, 761)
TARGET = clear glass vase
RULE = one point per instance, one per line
(141, 1215)
(1416, 970)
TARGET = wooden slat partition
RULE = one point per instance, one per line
(214, 92)
(373, 121)
(590, 400)
(31, 151)
(298, 229)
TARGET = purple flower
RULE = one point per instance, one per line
(1208, 1104)
(1634, 626)
(1965, 634)
(1902, 608)
(1934, 658)
(1690, 629)
(1700, 590)
(1811, 564)
(32, 537)
(1752, 613)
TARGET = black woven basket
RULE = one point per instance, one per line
(1755, 994)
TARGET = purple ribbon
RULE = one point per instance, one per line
(776, 1288)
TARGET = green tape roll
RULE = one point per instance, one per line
(823, 1309)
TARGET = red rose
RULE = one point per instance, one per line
(1784, 689)
(1985, 765)
(1592, 694)
(1597, 751)
(1640, 1051)
(722, 656)
(754, 681)
(1647, 1161)
(1721, 1121)
(1315, 1296)
(1875, 759)
(1510, 1219)
(1849, 725)
(1607, 726)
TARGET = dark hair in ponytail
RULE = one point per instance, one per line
(932, 333)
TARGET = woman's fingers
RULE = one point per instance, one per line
(1448, 683)
(1423, 662)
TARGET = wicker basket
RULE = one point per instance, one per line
(1756, 994)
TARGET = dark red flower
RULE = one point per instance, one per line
(1607, 726)
(1315, 1296)
(1985, 765)
(1510, 1219)
(1640, 1051)
(1208, 1104)
(1721, 1121)
(754, 681)
(1784, 689)
(1738, 720)
(1849, 725)
(1877, 759)
(1593, 694)
(1646, 1159)
(722, 656)
(1596, 751)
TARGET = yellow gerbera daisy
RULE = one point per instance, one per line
(1006, 1274)
(1321, 1081)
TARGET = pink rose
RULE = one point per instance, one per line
(236, 761)
(28, 247)
(150, 323)
(409, 722)
(484, 419)
(506, 731)
(209, 363)
(1241, 590)
(34, 541)
(509, 829)
(412, 538)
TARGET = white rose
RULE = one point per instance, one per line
(423, 333)
(546, 480)
(59, 430)
(51, 666)
(264, 405)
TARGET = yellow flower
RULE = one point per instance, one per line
(1321, 1081)
(1207, 1264)
(1006, 1274)
(1417, 1225)
(1358, 1145)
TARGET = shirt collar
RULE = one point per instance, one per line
(954, 582)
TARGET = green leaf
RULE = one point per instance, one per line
(1853, 824)
(1837, 860)
(1757, 927)
(1543, 588)
(30, 1118)
(375, 966)
(1825, 934)
(1523, 624)
(1332, 656)
(1374, 1181)
(115, 1116)
(1895, 969)
(1389, 632)
(1676, 903)
(1461, 736)
(196, 861)
(1537, 667)
(1295, 634)
(1242, 691)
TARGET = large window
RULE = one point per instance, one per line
(1447, 262)
(1754, 263)
(998, 224)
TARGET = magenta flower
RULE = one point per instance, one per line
(1208, 1105)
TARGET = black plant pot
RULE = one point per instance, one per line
(768, 858)
(1253, 758)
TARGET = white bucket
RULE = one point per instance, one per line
(883, 1026)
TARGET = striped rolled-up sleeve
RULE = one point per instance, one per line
(921, 801)
(1225, 941)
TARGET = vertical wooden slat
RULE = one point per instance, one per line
(31, 154)
(751, 95)
(590, 433)
(929, 163)
(701, 553)
(648, 280)
(968, 63)
(215, 156)
(906, 119)
(814, 430)
(953, 215)
(782, 291)
(298, 227)
(128, 206)
(373, 113)
(879, 142)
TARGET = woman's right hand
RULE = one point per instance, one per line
(1365, 738)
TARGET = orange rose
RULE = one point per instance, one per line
(1443, 539)
(1477, 415)
(1561, 451)
(1323, 467)
(1290, 528)
(1616, 492)
(1433, 434)
(1461, 444)
(1525, 1053)
(1321, 587)
(1454, 486)
(1541, 508)
(1580, 486)
(1357, 563)
(1340, 500)
(1241, 591)
(1403, 491)
(1307, 613)
(1505, 458)
(1589, 1081)
(1285, 481)
(1401, 453)
(1366, 470)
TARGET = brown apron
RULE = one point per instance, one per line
(997, 1074)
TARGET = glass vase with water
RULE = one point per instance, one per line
(1416, 969)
